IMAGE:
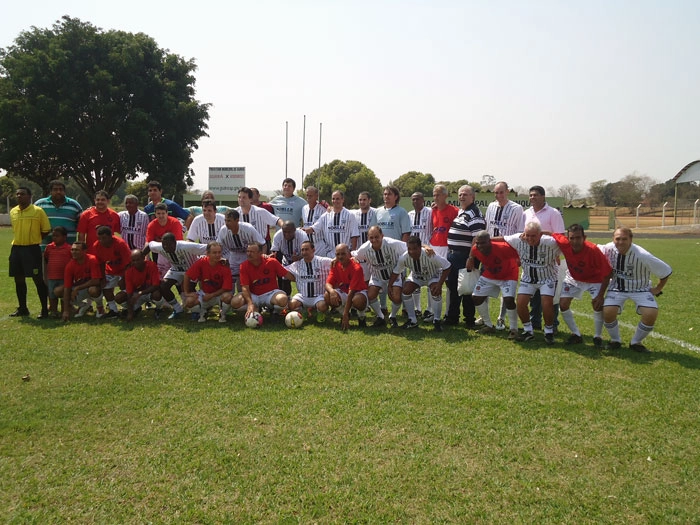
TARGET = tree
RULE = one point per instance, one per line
(7, 189)
(414, 181)
(596, 191)
(97, 107)
(351, 177)
(454, 185)
(569, 192)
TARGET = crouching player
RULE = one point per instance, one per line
(142, 283)
(346, 286)
(81, 281)
(213, 274)
(311, 273)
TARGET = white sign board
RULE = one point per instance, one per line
(226, 181)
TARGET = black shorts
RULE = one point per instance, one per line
(25, 261)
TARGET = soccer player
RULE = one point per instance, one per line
(134, 223)
(421, 225)
(392, 218)
(114, 256)
(442, 214)
(213, 274)
(259, 283)
(339, 225)
(312, 212)
(426, 270)
(633, 267)
(286, 248)
(539, 255)
(258, 218)
(142, 282)
(181, 255)
(81, 282)
(381, 254)
(235, 238)
(29, 225)
(310, 272)
(95, 216)
(588, 270)
(57, 255)
(197, 210)
(206, 226)
(61, 211)
(288, 206)
(155, 194)
(157, 228)
(499, 263)
(346, 286)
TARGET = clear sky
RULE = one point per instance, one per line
(531, 92)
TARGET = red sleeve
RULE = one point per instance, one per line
(280, 271)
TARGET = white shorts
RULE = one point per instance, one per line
(344, 296)
(577, 290)
(214, 301)
(486, 287)
(548, 288)
(640, 299)
(264, 299)
(111, 282)
(307, 302)
(421, 282)
(175, 276)
(442, 251)
(82, 295)
(143, 299)
(366, 270)
(382, 283)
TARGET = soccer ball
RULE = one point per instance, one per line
(294, 320)
(254, 320)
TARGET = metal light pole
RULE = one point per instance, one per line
(320, 135)
(303, 152)
(286, 147)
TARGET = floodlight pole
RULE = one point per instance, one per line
(320, 135)
(303, 152)
(663, 215)
(286, 148)
(637, 224)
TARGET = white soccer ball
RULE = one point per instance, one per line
(254, 320)
(294, 320)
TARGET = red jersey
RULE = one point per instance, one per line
(262, 279)
(91, 219)
(442, 219)
(501, 264)
(211, 278)
(155, 232)
(56, 257)
(347, 278)
(77, 273)
(115, 258)
(590, 265)
(137, 280)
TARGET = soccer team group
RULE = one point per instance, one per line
(223, 260)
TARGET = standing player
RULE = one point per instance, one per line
(213, 274)
(195, 211)
(421, 225)
(339, 225)
(61, 211)
(310, 273)
(134, 223)
(258, 218)
(155, 194)
(312, 212)
(289, 207)
(346, 286)
(428, 271)
(442, 214)
(206, 226)
(157, 228)
(235, 238)
(286, 248)
(588, 270)
(95, 216)
(633, 267)
(392, 218)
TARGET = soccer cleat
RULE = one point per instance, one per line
(362, 322)
(82, 311)
(320, 317)
(20, 312)
(487, 330)
(110, 314)
(222, 317)
(174, 315)
(100, 312)
(450, 321)
(639, 347)
(380, 322)
(500, 324)
(393, 323)
(513, 335)
(409, 325)
(574, 340)
(43, 315)
(479, 322)
(428, 316)
(525, 336)
(202, 318)
(614, 345)
(598, 342)
(549, 339)
(418, 314)
(437, 326)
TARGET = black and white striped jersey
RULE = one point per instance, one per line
(259, 218)
(504, 220)
(425, 268)
(311, 276)
(290, 247)
(201, 231)
(235, 246)
(539, 263)
(134, 228)
(422, 224)
(633, 270)
(381, 262)
(365, 220)
(184, 255)
(338, 228)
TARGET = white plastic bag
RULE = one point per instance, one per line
(466, 281)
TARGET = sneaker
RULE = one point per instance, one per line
(174, 315)
(479, 322)
(500, 324)
(598, 342)
(437, 326)
(222, 317)
(100, 312)
(450, 322)
(82, 311)
(110, 314)
(419, 315)
(639, 347)
(320, 317)
(43, 315)
(380, 322)
(549, 339)
(393, 322)
(428, 316)
(574, 340)
(614, 345)
(20, 312)
(203, 318)
(513, 335)
(409, 324)
(194, 316)
(362, 322)
(525, 336)
(487, 330)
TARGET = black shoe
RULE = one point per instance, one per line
(549, 339)
(110, 314)
(471, 324)
(20, 312)
(393, 322)
(43, 315)
(614, 345)
(362, 322)
(379, 323)
(639, 347)
(574, 340)
(408, 325)
(450, 321)
(524, 337)
(598, 342)
(437, 326)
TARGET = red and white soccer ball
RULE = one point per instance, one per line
(293, 320)
(254, 320)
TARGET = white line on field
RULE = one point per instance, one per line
(657, 335)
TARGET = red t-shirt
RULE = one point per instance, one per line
(442, 219)
(77, 273)
(588, 266)
(91, 219)
(57, 258)
(262, 279)
(501, 264)
(347, 278)
(115, 258)
(211, 278)
(137, 280)
(155, 232)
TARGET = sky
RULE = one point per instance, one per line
(530, 92)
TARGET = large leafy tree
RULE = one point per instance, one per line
(97, 107)
(414, 181)
(351, 177)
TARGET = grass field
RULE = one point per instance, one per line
(178, 422)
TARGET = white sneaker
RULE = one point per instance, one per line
(202, 318)
(82, 311)
(479, 322)
(222, 318)
(500, 324)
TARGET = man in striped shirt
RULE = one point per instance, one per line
(61, 211)
(235, 237)
(310, 273)
(205, 227)
(422, 226)
(286, 248)
(428, 271)
(339, 225)
(539, 261)
(134, 223)
(633, 267)
(366, 218)
(310, 213)
(258, 218)
(381, 254)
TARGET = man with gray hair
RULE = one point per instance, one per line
(134, 223)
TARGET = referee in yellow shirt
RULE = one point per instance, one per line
(29, 225)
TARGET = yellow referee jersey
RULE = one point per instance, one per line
(29, 225)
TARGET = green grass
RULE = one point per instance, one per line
(177, 422)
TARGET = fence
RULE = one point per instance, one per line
(686, 215)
